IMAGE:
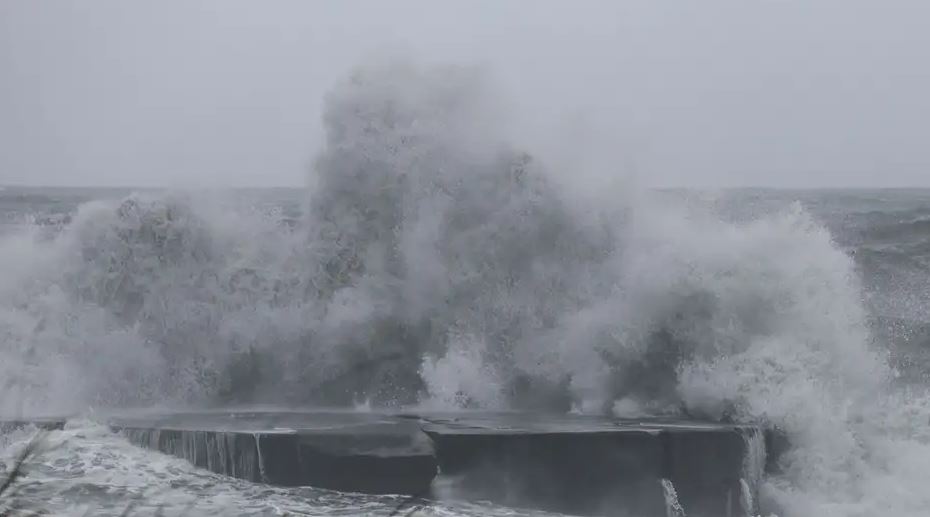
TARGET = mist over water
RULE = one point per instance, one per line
(433, 262)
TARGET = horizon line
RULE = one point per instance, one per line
(304, 186)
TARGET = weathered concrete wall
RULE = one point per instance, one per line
(333, 450)
(611, 469)
(573, 464)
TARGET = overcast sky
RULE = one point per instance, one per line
(692, 93)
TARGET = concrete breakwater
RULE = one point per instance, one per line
(568, 463)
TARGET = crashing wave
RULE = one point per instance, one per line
(438, 264)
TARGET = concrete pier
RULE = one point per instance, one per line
(347, 451)
(600, 466)
(568, 463)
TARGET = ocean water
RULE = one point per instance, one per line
(431, 263)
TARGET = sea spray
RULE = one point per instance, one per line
(436, 262)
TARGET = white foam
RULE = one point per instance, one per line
(434, 263)
(673, 508)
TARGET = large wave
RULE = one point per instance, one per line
(437, 264)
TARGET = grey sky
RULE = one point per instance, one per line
(709, 93)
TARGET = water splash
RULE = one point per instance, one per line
(260, 459)
(672, 506)
(437, 263)
(753, 472)
(747, 499)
